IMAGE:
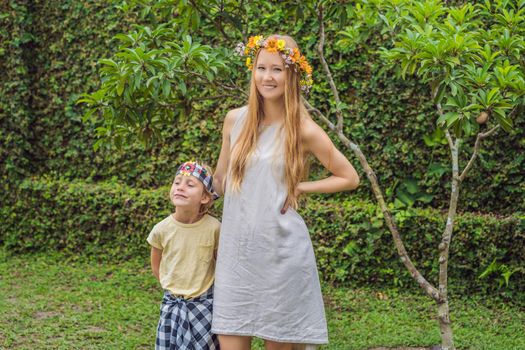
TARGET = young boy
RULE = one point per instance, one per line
(183, 248)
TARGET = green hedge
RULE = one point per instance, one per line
(48, 55)
(16, 135)
(111, 221)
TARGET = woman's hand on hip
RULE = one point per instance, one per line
(298, 191)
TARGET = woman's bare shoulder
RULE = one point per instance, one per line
(234, 113)
(309, 128)
(232, 116)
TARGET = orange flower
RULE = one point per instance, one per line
(300, 61)
(272, 45)
(296, 55)
(308, 69)
(251, 42)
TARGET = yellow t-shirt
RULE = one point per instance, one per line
(187, 266)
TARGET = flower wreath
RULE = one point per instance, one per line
(290, 56)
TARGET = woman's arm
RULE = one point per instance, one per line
(344, 176)
(156, 256)
(224, 157)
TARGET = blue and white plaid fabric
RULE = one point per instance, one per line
(185, 324)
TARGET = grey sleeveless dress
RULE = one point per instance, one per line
(266, 280)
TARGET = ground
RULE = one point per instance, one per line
(53, 302)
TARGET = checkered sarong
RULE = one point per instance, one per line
(185, 324)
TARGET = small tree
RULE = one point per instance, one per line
(471, 57)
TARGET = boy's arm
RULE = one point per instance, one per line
(156, 255)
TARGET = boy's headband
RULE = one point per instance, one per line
(198, 171)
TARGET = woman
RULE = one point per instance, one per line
(267, 283)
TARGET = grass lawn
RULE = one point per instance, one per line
(48, 302)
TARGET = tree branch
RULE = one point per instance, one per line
(233, 87)
(204, 14)
(444, 246)
(320, 50)
(207, 98)
(440, 112)
(404, 257)
(244, 26)
(477, 146)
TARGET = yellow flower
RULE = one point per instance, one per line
(281, 44)
(249, 62)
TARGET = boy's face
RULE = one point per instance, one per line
(188, 192)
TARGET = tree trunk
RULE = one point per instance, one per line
(447, 342)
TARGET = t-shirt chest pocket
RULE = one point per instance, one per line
(205, 250)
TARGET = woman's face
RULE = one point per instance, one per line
(270, 75)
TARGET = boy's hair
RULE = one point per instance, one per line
(206, 206)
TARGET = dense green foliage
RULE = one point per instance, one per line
(49, 53)
(470, 56)
(111, 221)
(16, 135)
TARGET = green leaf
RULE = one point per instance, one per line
(411, 186)
(437, 169)
(505, 122)
(425, 198)
(448, 119)
(492, 95)
(350, 248)
(88, 114)
(120, 86)
(467, 127)
(166, 88)
(97, 144)
(405, 198)
(108, 62)
(182, 87)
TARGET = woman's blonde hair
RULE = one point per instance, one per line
(294, 160)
